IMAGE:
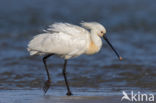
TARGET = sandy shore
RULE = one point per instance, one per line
(36, 96)
(79, 99)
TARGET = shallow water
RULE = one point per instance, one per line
(131, 29)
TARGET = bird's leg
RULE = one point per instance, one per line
(65, 78)
(48, 82)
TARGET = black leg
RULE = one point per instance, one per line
(65, 78)
(48, 82)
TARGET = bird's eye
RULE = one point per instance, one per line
(102, 32)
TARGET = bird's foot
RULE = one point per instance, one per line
(46, 86)
(69, 93)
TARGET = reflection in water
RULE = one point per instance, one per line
(131, 28)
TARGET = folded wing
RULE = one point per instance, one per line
(60, 43)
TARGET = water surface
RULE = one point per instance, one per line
(130, 27)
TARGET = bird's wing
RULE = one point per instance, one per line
(57, 43)
(67, 28)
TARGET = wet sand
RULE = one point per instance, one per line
(37, 96)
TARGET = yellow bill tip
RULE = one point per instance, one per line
(120, 58)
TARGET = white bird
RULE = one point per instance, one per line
(68, 41)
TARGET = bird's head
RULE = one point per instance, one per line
(95, 27)
(100, 30)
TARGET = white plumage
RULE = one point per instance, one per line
(68, 40)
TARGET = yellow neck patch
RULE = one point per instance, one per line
(92, 48)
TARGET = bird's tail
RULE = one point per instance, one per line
(32, 52)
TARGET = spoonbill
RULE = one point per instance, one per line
(67, 41)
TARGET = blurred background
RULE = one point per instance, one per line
(130, 27)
